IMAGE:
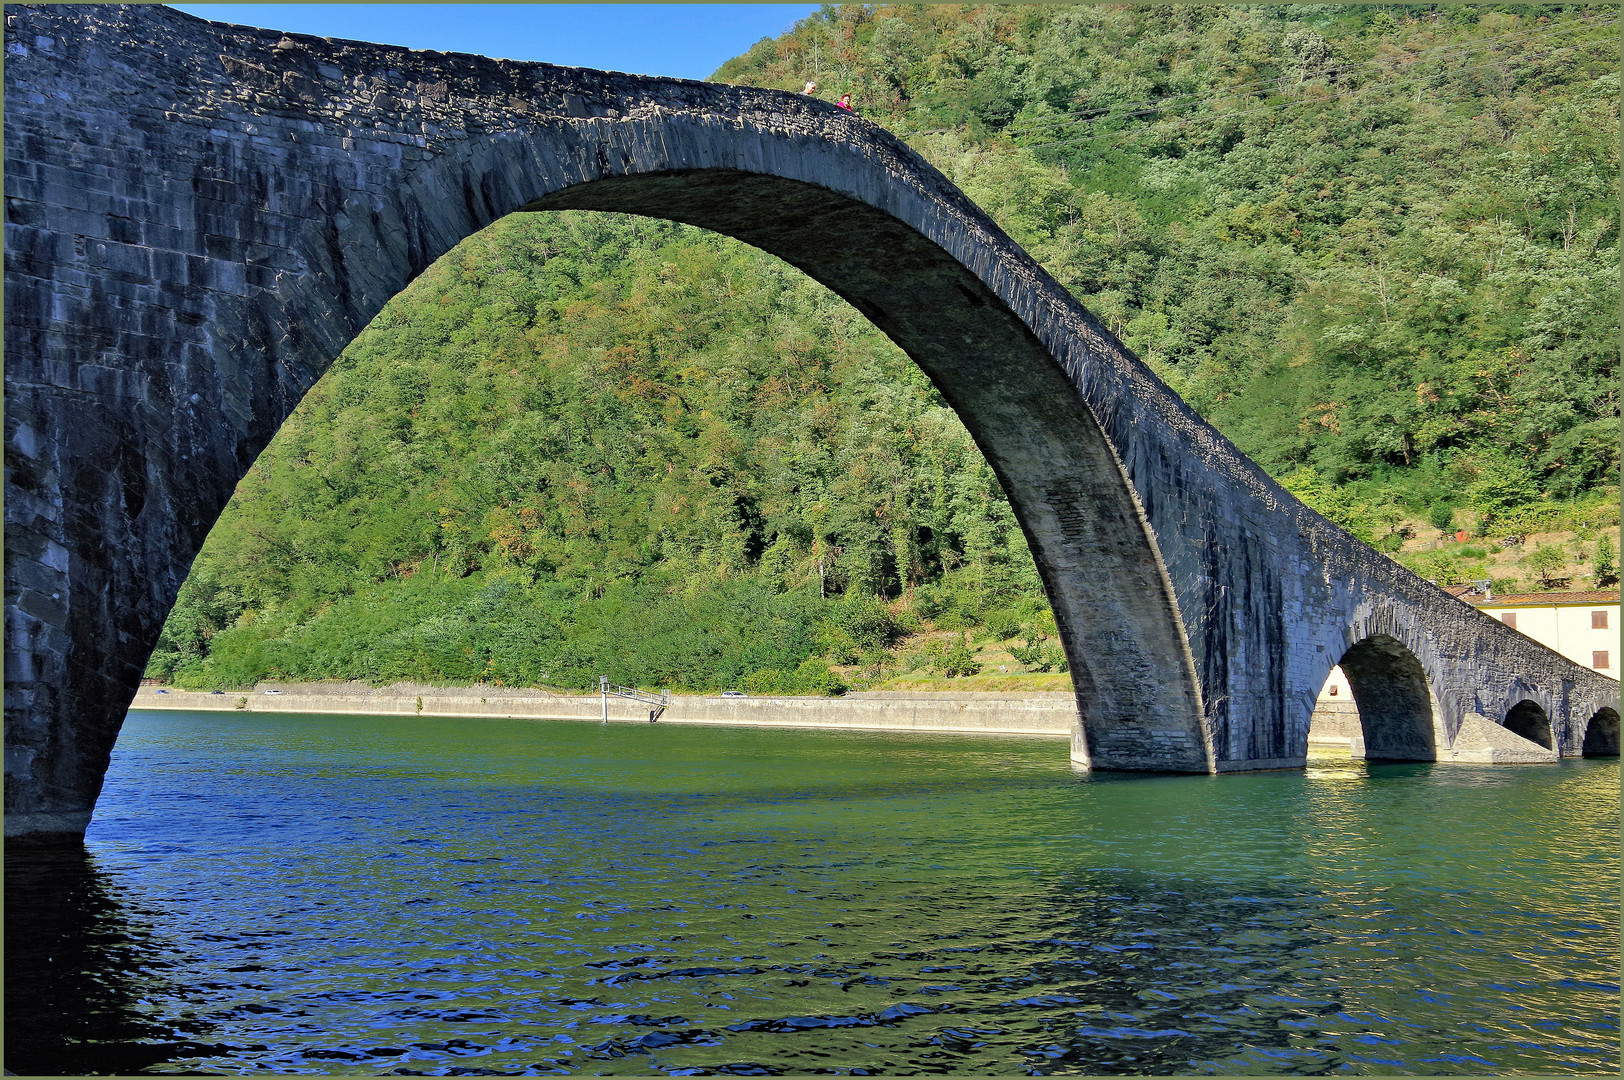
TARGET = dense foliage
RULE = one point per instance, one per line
(1378, 244)
(584, 444)
(1378, 247)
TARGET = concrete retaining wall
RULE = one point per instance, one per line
(1335, 724)
(985, 713)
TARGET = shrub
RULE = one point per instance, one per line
(856, 626)
(959, 659)
(818, 679)
(1003, 625)
(1502, 486)
(1605, 562)
(905, 622)
(768, 681)
(1038, 656)
(1546, 561)
(811, 677)
(917, 660)
(928, 602)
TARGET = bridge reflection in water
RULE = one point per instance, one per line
(84, 973)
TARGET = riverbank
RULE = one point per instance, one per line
(988, 713)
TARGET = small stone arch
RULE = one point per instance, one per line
(1529, 719)
(1397, 709)
(1601, 734)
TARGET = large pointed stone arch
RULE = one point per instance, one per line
(200, 217)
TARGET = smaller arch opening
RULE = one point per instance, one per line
(1528, 719)
(1395, 702)
(1601, 734)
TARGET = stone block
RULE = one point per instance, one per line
(1481, 741)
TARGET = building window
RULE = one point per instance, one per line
(1599, 661)
(1510, 619)
(1598, 620)
(1333, 690)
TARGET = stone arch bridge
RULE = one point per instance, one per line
(199, 217)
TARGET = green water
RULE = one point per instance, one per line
(340, 894)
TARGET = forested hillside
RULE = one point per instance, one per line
(1379, 250)
(586, 443)
(1377, 247)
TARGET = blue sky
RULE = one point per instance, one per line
(687, 41)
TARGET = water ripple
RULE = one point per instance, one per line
(359, 896)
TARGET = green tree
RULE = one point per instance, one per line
(1605, 562)
(959, 659)
(1547, 562)
(1501, 485)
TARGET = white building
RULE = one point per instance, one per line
(1582, 626)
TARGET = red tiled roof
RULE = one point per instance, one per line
(1594, 596)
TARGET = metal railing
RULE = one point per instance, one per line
(660, 701)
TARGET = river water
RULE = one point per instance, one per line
(364, 895)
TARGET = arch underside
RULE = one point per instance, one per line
(1138, 705)
(1529, 720)
(1397, 709)
(1601, 734)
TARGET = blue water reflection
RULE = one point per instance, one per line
(456, 897)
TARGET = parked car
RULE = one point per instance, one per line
(733, 693)
(216, 691)
(162, 691)
(273, 691)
